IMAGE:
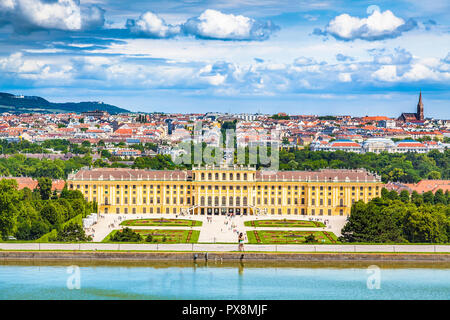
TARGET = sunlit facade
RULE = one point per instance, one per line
(221, 190)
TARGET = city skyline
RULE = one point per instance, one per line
(311, 57)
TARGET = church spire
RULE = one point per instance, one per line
(419, 114)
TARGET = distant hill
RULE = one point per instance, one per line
(26, 104)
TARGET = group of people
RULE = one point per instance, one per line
(228, 222)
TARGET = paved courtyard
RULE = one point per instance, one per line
(219, 229)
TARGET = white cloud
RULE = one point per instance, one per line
(29, 15)
(345, 77)
(28, 68)
(386, 73)
(399, 56)
(213, 24)
(152, 25)
(377, 26)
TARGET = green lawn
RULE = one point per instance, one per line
(162, 223)
(284, 223)
(289, 237)
(172, 236)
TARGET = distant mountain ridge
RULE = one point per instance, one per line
(28, 104)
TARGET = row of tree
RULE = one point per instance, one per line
(400, 217)
(407, 168)
(28, 214)
(19, 165)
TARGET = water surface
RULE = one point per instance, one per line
(222, 281)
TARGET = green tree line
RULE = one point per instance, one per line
(400, 218)
(28, 214)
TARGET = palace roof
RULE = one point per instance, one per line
(324, 175)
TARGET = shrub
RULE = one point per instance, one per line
(310, 238)
(126, 235)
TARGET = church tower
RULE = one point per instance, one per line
(420, 108)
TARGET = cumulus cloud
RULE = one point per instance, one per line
(151, 25)
(32, 69)
(344, 58)
(399, 56)
(30, 15)
(377, 26)
(223, 77)
(213, 24)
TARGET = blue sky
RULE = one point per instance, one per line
(300, 57)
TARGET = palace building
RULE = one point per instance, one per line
(215, 190)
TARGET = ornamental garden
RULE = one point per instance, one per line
(162, 222)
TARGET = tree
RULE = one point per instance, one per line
(73, 232)
(416, 198)
(86, 144)
(9, 198)
(404, 196)
(396, 174)
(101, 143)
(422, 227)
(52, 214)
(368, 224)
(439, 197)
(384, 193)
(45, 188)
(428, 197)
(434, 175)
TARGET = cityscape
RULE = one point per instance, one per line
(279, 151)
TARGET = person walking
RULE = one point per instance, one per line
(241, 241)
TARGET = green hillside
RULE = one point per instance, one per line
(25, 104)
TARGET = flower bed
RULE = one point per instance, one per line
(289, 237)
(284, 223)
(162, 223)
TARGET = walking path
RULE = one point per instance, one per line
(222, 229)
(216, 247)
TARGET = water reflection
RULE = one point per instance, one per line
(222, 280)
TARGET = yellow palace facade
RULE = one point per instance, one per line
(221, 190)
